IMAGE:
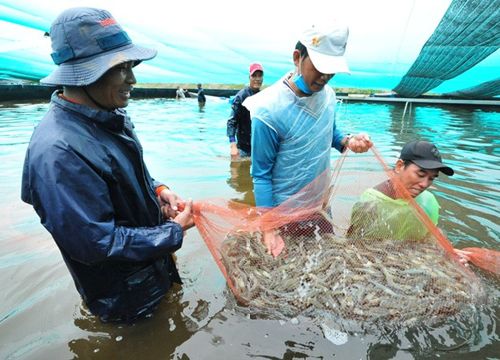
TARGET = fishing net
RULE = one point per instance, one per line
(347, 255)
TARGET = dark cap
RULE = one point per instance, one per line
(425, 155)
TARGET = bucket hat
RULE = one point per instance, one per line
(87, 42)
(426, 155)
(326, 45)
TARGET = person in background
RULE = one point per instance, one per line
(239, 125)
(85, 176)
(179, 93)
(294, 125)
(383, 212)
(201, 97)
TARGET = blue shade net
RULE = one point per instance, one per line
(484, 90)
(22, 33)
(468, 33)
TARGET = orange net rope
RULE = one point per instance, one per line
(349, 251)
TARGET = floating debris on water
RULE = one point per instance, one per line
(333, 335)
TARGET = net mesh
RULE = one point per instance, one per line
(343, 256)
(481, 91)
(468, 33)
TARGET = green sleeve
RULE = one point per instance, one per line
(427, 201)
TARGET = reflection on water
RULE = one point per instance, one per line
(41, 315)
(241, 181)
(157, 336)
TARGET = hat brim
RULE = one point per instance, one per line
(84, 72)
(255, 70)
(434, 165)
(328, 64)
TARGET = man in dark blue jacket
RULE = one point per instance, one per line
(239, 124)
(85, 176)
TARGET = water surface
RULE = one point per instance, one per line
(41, 315)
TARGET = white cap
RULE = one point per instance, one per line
(326, 47)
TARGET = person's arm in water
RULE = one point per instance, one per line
(463, 256)
(232, 125)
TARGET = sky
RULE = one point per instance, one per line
(215, 41)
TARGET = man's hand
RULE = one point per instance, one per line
(185, 217)
(168, 201)
(359, 143)
(274, 242)
(235, 154)
(463, 256)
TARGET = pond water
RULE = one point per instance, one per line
(41, 315)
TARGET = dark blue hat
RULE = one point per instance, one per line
(86, 43)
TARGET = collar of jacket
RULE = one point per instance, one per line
(115, 120)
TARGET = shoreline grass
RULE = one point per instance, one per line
(190, 86)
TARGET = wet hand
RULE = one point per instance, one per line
(235, 154)
(273, 242)
(169, 203)
(185, 217)
(359, 143)
(463, 256)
